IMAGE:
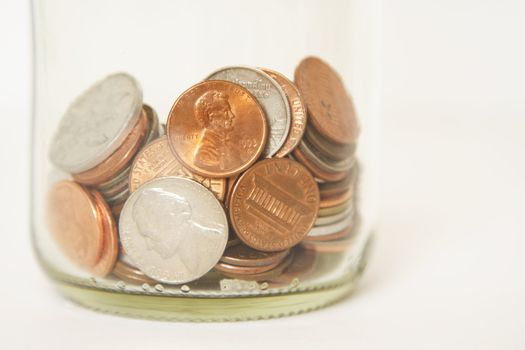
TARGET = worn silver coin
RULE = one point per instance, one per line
(271, 97)
(173, 229)
(96, 123)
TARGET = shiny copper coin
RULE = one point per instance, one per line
(110, 251)
(130, 274)
(244, 270)
(333, 201)
(217, 129)
(328, 149)
(266, 275)
(330, 107)
(75, 223)
(314, 169)
(156, 160)
(119, 159)
(297, 109)
(274, 204)
(242, 255)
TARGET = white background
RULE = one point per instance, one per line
(448, 271)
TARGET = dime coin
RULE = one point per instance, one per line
(157, 160)
(75, 222)
(110, 252)
(297, 112)
(274, 204)
(331, 110)
(173, 229)
(96, 123)
(242, 255)
(271, 97)
(217, 129)
(119, 159)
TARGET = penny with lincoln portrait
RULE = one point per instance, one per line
(274, 204)
(217, 129)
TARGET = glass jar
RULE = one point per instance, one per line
(108, 58)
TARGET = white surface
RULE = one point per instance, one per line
(448, 269)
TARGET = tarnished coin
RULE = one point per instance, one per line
(96, 123)
(297, 112)
(157, 160)
(274, 204)
(118, 160)
(173, 229)
(75, 223)
(217, 129)
(331, 110)
(242, 255)
(271, 97)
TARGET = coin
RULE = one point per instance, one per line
(266, 275)
(157, 160)
(303, 264)
(297, 112)
(344, 233)
(331, 110)
(335, 200)
(245, 270)
(334, 188)
(327, 148)
(119, 159)
(130, 274)
(334, 246)
(217, 129)
(173, 229)
(75, 223)
(96, 123)
(324, 212)
(242, 255)
(327, 220)
(314, 169)
(110, 251)
(332, 228)
(271, 97)
(274, 204)
(325, 163)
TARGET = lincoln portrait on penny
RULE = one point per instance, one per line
(214, 115)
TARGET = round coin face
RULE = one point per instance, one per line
(157, 160)
(96, 123)
(173, 229)
(297, 112)
(331, 110)
(75, 223)
(217, 129)
(274, 204)
(271, 97)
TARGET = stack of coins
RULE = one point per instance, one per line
(254, 175)
(101, 133)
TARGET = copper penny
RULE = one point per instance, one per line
(217, 129)
(231, 184)
(314, 169)
(111, 246)
(330, 107)
(244, 270)
(130, 274)
(75, 223)
(119, 159)
(242, 255)
(274, 204)
(334, 188)
(156, 160)
(323, 162)
(297, 109)
(333, 201)
(266, 275)
(324, 212)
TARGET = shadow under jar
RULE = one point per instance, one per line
(205, 161)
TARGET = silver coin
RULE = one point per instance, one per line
(96, 123)
(332, 228)
(271, 97)
(173, 229)
(328, 220)
(324, 163)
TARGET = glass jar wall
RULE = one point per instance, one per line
(178, 173)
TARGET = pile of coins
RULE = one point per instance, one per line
(252, 175)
